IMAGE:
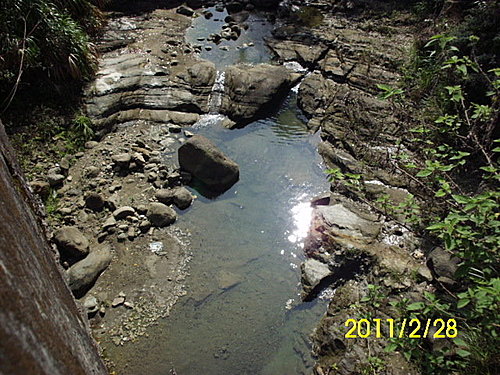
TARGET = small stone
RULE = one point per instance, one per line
(129, 305)
(41, 188)
(131, 233)
(165, 196)
(102, 311)
(90, 304)
(188, 134)
(94, 201)
(144, 226)
(122, 237)
(92, 172)
(122, 160)
(55, 180)
(152, 176)
(123, 212)
(182, 198)
(141, 209)
(90, 144)
(174, 63)
(71, 243)
(174, 129)
(161, 215)
(118, 301)
(109, 223)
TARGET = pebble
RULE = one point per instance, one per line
(118, 301)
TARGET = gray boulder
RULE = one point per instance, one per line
(160, 215)
(165, 196)
(251, 91)
(185, 11)
(123, 212)
(71, 244)
(41, 188)
(442, 263)
(82, 275)
(208, 164)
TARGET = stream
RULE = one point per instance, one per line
(242, 313)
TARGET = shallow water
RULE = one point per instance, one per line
(242, 313)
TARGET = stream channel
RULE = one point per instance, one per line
(242, 313)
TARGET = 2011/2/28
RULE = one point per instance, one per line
(363, 328)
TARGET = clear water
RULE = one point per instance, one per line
(242, 313)
(237, 51)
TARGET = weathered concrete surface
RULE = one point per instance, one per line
(41, 330)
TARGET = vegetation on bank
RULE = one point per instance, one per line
(453, 77)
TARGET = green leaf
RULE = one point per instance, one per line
(424, 172)
(460, 342)
(391, 347)
(460, 199)
(463, 353)
(463, 302)
(415, 306)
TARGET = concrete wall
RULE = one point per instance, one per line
(41, 330)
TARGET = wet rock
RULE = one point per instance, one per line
(123, 212)
(55, 180)
(182, 198)
(71, 244)
(234, 7)
(94, 201)
(207, 163)
(251, 92)
(41, 188)
(185, 11)
(82, 275)
(313, 272)
(160, 215)
(182, 119)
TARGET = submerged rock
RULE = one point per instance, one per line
(200, 157)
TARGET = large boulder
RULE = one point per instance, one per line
(313, 272)
(82, 275)
(208, 164)
(71, 244)
(250, 92)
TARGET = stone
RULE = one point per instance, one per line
(41, 188)
(165, 196)
(251, 92)
(182, 198)
(83, 274)
(91, 305)
(174, 129)
(204, 161)
(91, 144)
(348, 222)
(123, 212)
(92, 172)
(144, 226)
(109, 223)
(55, 180)
(94, 201)
(313, 272)
(122, 160)
(160, 215)
(442, 263)
(118, 301)
(185, 11)
(71, 244)
(129, 305)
